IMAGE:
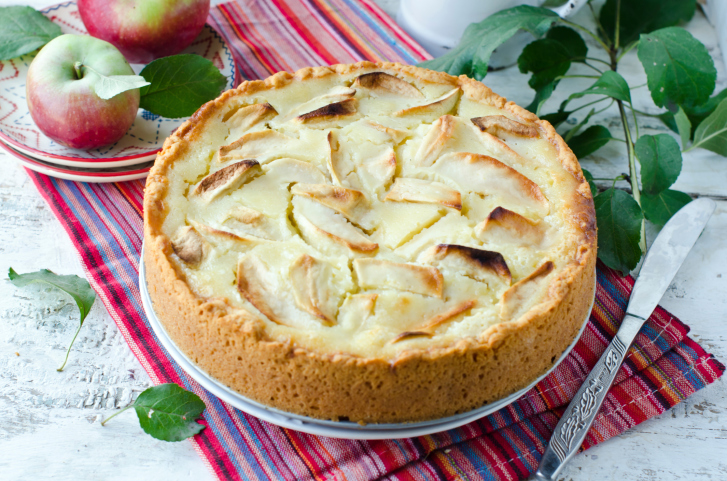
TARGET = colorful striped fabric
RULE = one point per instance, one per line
(104, 221)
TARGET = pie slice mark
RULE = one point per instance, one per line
(310, 288)
(189, 245)
(516, 300)
(384, 83)
(485, 175)
(427, 330)
(227, 178)
(478, 264)
(424, 191)
(505, 226)
(378, 274)
(495, 123)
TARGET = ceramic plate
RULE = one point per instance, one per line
(320, 427)
(143, 140)
(82, 174)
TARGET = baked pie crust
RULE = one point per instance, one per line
(369, 242)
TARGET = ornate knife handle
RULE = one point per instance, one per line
(578, 418)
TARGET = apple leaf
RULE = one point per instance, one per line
(22, 30)
(611, 84)
(591, 184)
(541, 95)
(110, 86)
(556, 118)
(167, 412)
(711, 134)
(695, 114)
(572, 132)
(619, 220)
(479, 40)
(643, 16)
(592, 139)
(679, 69)
(79, 289)
(661, 162)
(659, 208)
(684, 126)
(180, 84)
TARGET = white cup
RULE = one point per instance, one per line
(438, 24)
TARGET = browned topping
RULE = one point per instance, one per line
(409, 335)
(250, 286)
(252, 142)
(332, 111)
(493, 123)
(441, 106)
(475, 258)
(433, 143)
(505, 226)
(518, 297)
(188, 245)
(221, 234)
(424, 191)
(381, 82)
(377, 273)
(304, 275)
(349, 202)
(428, 328)
(246, 117)
(226, 178)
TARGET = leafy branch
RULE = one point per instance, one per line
(681, 78)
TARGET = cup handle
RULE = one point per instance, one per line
(569, 8)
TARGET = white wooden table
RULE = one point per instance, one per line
(50, 422)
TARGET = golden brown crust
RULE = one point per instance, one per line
(232, 345)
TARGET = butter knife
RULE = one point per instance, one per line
(662, 262)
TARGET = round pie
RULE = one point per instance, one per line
(369, 242)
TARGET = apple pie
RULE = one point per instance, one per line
(369, 242)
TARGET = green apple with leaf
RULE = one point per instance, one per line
(68, 95)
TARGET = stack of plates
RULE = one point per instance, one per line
(128, 159)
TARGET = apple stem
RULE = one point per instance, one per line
(77, 67)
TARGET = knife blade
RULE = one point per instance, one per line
(662, 262)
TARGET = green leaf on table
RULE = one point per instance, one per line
(592, 139)
(541, 95)
(472, 55)
(679, 69)
(684, 126)
(643, 16)
(169, 413)
(572, 132)
(611, 84)
(591, 184)
(695, 114)
(180, 84)
(619, 220)
(79, 289)
(22, 30)
(711, 134)
(660, 207)
(661, 162)
(110, 86)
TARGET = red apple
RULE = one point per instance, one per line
(61, 96)
(145, 29)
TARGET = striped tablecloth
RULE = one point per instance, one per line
(105, 223)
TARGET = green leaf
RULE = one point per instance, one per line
(711, 134)
(695, 114)
(684, 126)
(660, 207)
(575, 46)
(556, 118)
(643, 16)
(591, 184)
(619, 221)
(679, 69)
(78, 288)
(592, 139)
(169, 413)
(22, 30)
(180, 84)
(661, 162)
(611, 84)
(541, 96)
(479, 40)
(572, 132)
(108, 87)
